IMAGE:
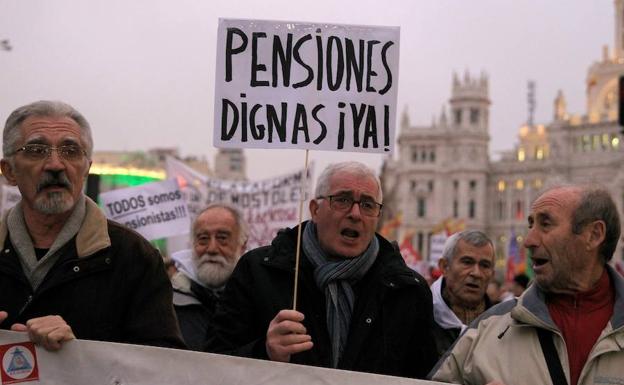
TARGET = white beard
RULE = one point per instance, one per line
(213, 270)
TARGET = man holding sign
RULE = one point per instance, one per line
(359, 308)
(65, 271)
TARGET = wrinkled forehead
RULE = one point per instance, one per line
(485, 251)
(50, 128)
(213, 219)
(562, 200)
(356, 184)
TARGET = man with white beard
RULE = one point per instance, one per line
(219, 237)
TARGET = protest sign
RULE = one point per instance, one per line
(305, 86)
(155, 210)
(267, 205)
(10, 196)
(436, 246)
(82, 362)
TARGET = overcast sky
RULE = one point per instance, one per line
(142, 71)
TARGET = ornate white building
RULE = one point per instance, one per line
(443, 171)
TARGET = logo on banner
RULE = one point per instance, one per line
(19, 363)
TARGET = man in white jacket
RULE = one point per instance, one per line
(459, 295)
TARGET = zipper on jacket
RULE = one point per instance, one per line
(28, 301)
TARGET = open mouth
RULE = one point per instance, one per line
(537, 261)
(350, 233)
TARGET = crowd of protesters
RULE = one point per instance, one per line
(67, 272)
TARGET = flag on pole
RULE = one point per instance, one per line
(515, 258)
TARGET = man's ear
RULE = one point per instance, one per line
(596, 232)
(7, 171)
(314, 206)
(442, 264)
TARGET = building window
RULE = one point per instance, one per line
(500, 209)
(537, 183)
(455, 185)
(420, 242)
(519, 214)
(474, 115)
(430, 185)
(471, 209)
(501, 186)
(432, 156)
(412, 185)
(521, 154)
(423, 155)
(458, 116)
(539, 153)
(615, 142)
(414, 154)
(473, 185)
(455, 209)
(520, 184)
(422, 207)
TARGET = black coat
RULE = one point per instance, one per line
(390, 330)
(117, 291)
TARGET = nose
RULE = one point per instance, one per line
(531, 240)
(355, 212)
(54, 161)
(212, 248)
(476, 270)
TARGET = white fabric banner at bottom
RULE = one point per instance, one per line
(82, 362)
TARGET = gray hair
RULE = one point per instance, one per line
(243, 229)
(357, 168)
(475, 238)
(43, 108)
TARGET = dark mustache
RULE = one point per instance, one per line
(53, 179)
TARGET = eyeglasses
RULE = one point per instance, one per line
(70, 152)
(344, 203)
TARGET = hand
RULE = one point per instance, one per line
(286, 336)
(49, 331)
(3, 316)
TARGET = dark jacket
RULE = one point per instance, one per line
(390, 330)
(109, 284)
(195, 306)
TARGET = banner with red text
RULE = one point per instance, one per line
(267, 205)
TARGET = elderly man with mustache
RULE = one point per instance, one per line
(219, 236)
(65, 270)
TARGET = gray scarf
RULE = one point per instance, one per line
(36, 270)
(335, 279)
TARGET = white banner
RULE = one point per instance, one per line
(10, 196)
(155, 210)
(305, 86)
(436, 246)
(82, 362)
(267, 205)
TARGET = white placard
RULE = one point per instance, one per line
(306, 86)
(155, 210)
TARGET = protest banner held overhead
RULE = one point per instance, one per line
(305, 86)
(267, 205)
(155, 210)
